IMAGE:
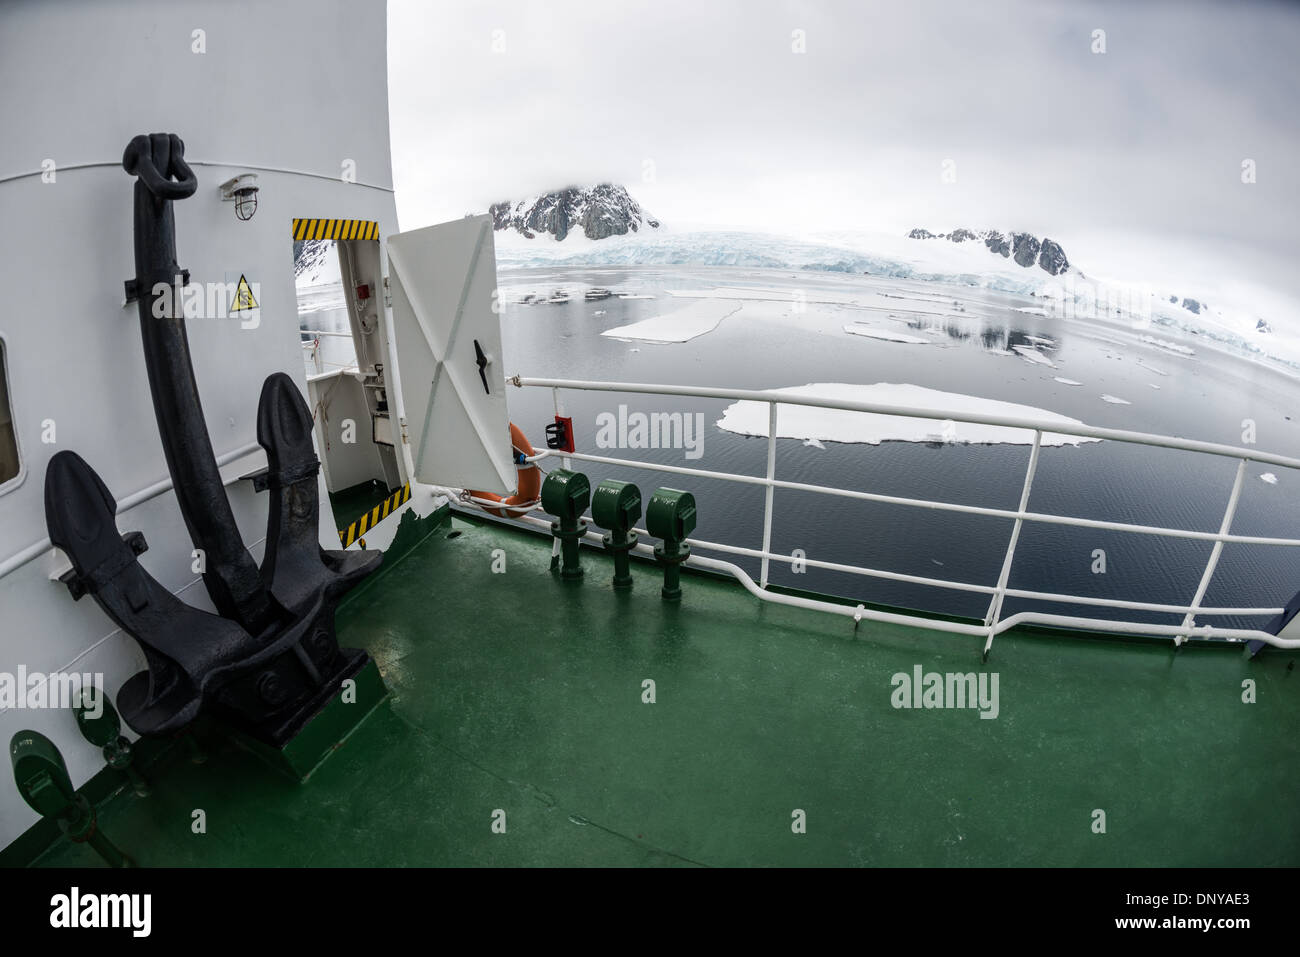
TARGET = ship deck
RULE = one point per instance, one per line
(522, 693)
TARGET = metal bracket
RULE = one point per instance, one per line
(131, 287)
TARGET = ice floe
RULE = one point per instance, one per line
(1268, 477)
(749, 417)
(1030, 354)
(1064, 381)
(680, 326)
(1114, 399)
(857, 329)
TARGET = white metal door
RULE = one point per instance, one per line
(448, 345)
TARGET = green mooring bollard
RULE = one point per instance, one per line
(43, 781)
(671, 517)
(566, 495)
(104, 730)
(616, 506)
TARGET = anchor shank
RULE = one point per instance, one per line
(230, 576)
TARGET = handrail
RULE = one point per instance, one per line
(162, 486)
(993, 623)
(957, 415)
(942, 506)
(860, 612)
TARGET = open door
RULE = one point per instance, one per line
(447, 332)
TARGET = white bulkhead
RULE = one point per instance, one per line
(293, 92)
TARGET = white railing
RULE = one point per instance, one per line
(993, 624)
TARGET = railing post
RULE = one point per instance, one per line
(564, 462)
(771, 474)
(1215, 552)
(995, 606)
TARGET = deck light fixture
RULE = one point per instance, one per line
(242, 191)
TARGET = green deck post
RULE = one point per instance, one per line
(566, 495)
(617, 506)
(671, 517)
(44, 783)
(104, 730)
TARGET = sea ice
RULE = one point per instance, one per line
(1030, 354)
(681, 326)
(1114, 400)
(1268, 477)
(1066, 381)
(858, 329)
(748, 417)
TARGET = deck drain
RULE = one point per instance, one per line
(455, 534)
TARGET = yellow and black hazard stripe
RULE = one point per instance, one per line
(373, 517)
(335, 229)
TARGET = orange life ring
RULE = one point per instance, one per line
(530, 481)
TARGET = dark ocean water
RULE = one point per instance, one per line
(771, 344)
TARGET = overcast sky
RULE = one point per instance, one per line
(1131, 158)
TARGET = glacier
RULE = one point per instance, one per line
(887, 256)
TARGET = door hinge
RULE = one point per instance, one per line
(388, 294)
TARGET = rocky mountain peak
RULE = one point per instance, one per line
(1026, 248)
(599, 211)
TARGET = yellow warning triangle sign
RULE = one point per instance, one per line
(243, 296)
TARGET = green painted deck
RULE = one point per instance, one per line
(521, 693)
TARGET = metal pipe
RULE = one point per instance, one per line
(972, 587)
(1009, 421)
(332, 177)
(1215, 552)
(942, 506)
(955, 627)
(767, 497)
(36, 549)
(995, 606)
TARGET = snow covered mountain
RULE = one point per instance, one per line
(601, 211)
(311, 259)
(1023, 247)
